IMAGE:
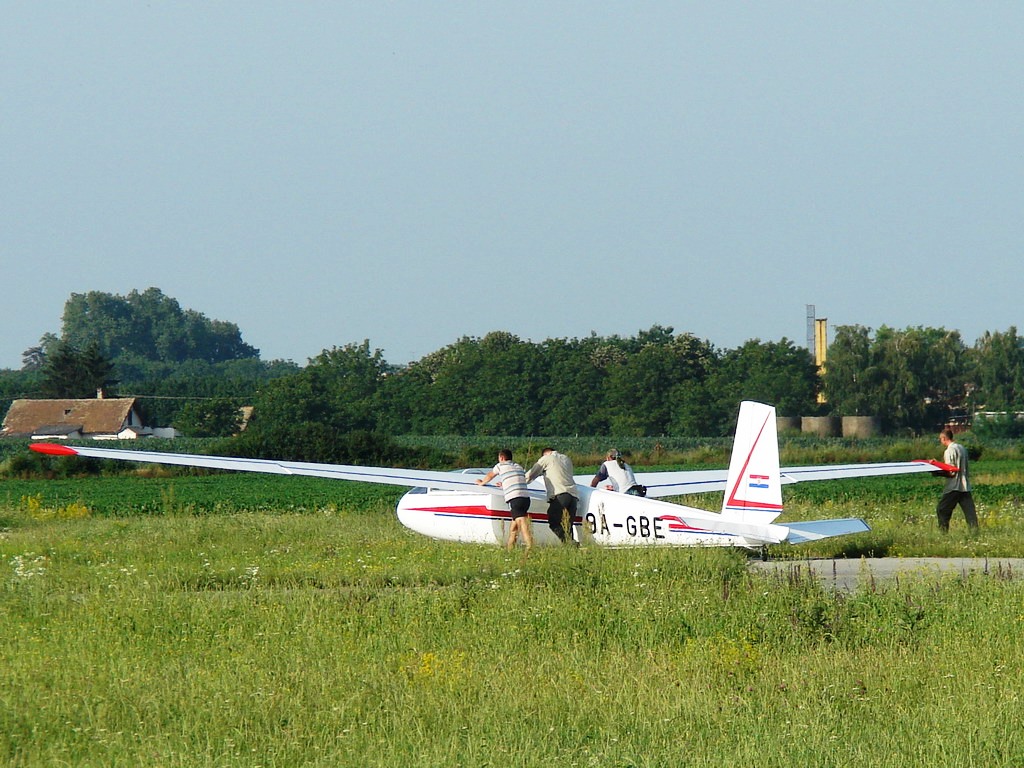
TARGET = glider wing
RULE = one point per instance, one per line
(410, 478)
(659, 484)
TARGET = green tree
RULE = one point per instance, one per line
(658, 387)
(338, 389)
(851, 378)
(327, 412)
(17, 385)
(910, 379)
(150, 326)
(34, 358)
(926, 374)
(573, 395)
(73, 373)
(102, 319)
(779, 373)
(482, 386)
(209, 418)
(998, 372)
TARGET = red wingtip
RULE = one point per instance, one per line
(54, 449)
(939, 465)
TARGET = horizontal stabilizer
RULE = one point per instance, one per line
(813, 530)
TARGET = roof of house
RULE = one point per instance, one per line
(58, 430)
(96, 416)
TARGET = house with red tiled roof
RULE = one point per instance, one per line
(96, 419)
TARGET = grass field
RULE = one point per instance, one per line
(211, 621)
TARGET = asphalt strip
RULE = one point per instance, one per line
(849, 574)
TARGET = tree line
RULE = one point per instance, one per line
(655, 383)
(193, 373)
(919, 378)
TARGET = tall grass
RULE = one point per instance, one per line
(332, 637)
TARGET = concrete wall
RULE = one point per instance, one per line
(787, 424)
(820, 426)
(861, 426)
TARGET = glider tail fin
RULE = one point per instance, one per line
(753, 492)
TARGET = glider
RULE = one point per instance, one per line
(451, 506)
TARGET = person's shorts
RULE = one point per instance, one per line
(519, 507)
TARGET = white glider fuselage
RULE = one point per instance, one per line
(603, 517)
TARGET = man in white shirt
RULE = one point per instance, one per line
(958, 487)
(563, 496)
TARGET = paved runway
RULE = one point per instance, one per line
(848, 574)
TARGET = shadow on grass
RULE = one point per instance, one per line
(849, 548)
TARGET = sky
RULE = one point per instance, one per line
(410, 173)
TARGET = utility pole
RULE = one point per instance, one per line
(810, 328)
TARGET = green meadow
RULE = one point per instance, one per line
(224, 620)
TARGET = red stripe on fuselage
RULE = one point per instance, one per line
(478, 512)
